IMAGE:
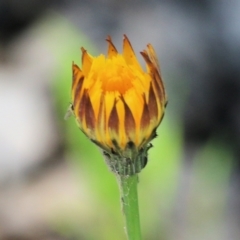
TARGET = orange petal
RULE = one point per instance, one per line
(113, 124)
(156, 77)
(145, 119)
(101, 121)
(129, 122)
(145, 124)
(77, 91)
(77, 83)
(80, 109)
(86, 61)
(112, 51)
(153, 56)
(89, 114)
(158, 84)
(76, 74)
(129, 54)
(152, 104)
(144, 53)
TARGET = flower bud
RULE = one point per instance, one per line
(118, 105)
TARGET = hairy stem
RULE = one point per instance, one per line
(129, 200)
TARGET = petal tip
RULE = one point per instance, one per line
(125, 37)
(112, 51)
(108, 39)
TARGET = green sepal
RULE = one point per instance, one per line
(128, 162)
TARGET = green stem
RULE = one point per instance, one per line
(129, 199)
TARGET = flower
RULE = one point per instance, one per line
(116, 103)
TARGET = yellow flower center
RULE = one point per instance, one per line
(113, 75)
(116, 78)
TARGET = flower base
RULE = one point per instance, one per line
(128, 163)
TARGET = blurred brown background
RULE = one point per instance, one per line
(54, 183)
